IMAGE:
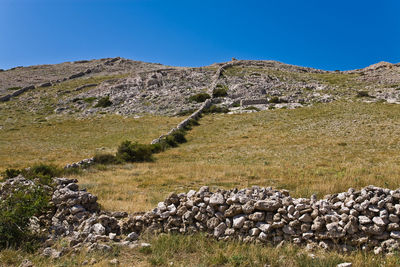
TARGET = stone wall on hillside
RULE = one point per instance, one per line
(366, 219)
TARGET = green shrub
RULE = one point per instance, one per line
(220, 91)
(276, 100)
(11, 173)
(191, 123)
(362, 94)
(170, 141)
(43, 172)
(216, 109)
(199, 98)
(16, 210)
(252, 108)
(179, 136)
(105, 158)
(236, 104)
(186, 112)
(91, 99)
(134, 152)
(103, 102)
(159, 147)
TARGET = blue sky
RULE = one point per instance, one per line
(340, 34)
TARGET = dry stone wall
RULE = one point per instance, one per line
(366, 219)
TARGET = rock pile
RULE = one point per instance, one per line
(80, 164)
(366, 219)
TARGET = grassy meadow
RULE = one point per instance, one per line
(315, 150)
(322, 149)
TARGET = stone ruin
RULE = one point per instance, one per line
(366, 219)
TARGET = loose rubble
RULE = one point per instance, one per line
(366, 219)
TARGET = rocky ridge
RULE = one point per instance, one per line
(366, 219)
(157, 89)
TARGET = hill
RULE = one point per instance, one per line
(306, 130)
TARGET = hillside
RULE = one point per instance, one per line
(305, 130)
(136, 87)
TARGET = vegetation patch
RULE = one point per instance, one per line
(91, 99)
(199, 98)
(362, 94)
(216, 109)
(134, 152)
(276, 100)
(103, 102)
(252, 108)
(185, 112)
(220, 90)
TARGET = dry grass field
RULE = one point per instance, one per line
(321, 149)
(325, 148)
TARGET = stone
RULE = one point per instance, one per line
(364, 219)
(112, 236)
(99, 229)
(344, 264)
(26, 263)
(395, 234)
(233, 210)
(265, 227)
(217, 199)
(132, 237)
(238, 221)
(114, 261)
(213, 222)
(267, 205)
(51, 253)
(305, 218)
(219, 229)
(257, 216)
(379, 221)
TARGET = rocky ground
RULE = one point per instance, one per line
(156, 89)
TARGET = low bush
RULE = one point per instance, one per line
(105, 158)
(236, 104)
(362, 94)
(103, 102)
(186, 112)
(252, 108)
(43, 172)
(220, 91)
(276, 100)
(179, 136)
(16, 210)
(134, 152)
(216, 109)
(91, 99)
(191, 123)
(199, 98)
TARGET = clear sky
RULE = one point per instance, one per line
(339, 34)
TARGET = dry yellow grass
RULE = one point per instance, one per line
(64, 140)
(199, 250)
(322, 149)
